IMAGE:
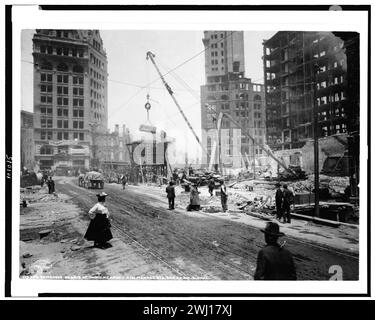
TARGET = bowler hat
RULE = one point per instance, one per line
(272, 229)
(102, 194)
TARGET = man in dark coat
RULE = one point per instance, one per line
(274, 262)
(123, 181)
(288, 199)
(211, 186)
(170, 195)
(279, 201)
(51, 185)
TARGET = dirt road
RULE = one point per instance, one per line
(195, 245)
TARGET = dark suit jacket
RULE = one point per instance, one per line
(170, 192)
(275, 263)
(279, 197)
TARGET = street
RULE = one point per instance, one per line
(195, 245)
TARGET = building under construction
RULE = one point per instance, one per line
(228, 91)
(293, 62)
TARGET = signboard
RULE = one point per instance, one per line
(62, 142)
(147, 128)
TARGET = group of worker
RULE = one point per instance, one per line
(194, 204)
(284, 199)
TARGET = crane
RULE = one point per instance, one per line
(151, 56)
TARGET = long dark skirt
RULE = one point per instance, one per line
(99, 229)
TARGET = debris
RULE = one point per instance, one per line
(75, 248)
(44, 233)
(27, 255)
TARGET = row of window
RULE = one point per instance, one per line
(48, 135)
(96, 75)
(338, 96)
(48, 123)
(96, 105)
(63, 101)
(96, 61)
(48, 77)
(62, 51)
(61, 112)
(215, 61)
(96, 44)
(215, 45)
(216, 53)
(62, 67)
(233, 86)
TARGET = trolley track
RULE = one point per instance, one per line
(165, 236)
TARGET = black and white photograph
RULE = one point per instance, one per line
(215, 153)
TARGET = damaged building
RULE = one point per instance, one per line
(228, 91)
(293, 62)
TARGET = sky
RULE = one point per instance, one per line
(129, 74)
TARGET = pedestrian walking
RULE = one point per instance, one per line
(274, 261)
(211, 186)
(170, 195)
(194, 199)
(99, 229)
(288, 199)
(123, 181)
(279, 201)
(223, 195)
(51, 185)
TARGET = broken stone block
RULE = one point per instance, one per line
(75, 248)
(27, 255)
(44, 233)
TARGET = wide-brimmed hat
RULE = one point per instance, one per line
(273, 229)
(102, 194)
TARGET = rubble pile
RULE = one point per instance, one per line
(334, 184)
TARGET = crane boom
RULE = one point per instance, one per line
(266, 150)
(151, 56)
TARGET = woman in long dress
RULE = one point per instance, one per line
(99, 229)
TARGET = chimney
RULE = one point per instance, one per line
(117, 129)
(123, 130)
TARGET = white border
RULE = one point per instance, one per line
(30, 18)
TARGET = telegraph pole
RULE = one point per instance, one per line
(316, 143)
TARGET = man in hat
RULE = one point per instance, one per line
(288, 199)
(279, 201)
(274, 262)
(170, 195)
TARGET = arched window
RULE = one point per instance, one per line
(46, 149)
(257, 97)
(62, 67)
(45, 65)
(78, 69)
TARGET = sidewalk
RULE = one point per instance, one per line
(344, 238)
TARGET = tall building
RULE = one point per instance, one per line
(70, 96)
(27, 139)
(227, 90)
(289, 60)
